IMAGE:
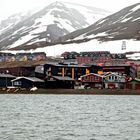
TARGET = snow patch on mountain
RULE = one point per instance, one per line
(136, 19)
(135, 8)
(47, 24)
(91, 14)
(126, 19)
(20, 41)
(123, 24)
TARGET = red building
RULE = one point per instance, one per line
(92, 80)
(133, 84)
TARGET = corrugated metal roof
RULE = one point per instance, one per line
(6, 75)
(109, 74)
(93, 74)
(66, 78)
(33, 79)
(137, 79)
(66, 65)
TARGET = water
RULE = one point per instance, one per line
(69, 117)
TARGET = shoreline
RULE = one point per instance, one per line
(75, 91)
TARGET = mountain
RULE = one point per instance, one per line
(14, 19)
(47, 25)
(125, 24)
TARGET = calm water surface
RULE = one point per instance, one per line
(69, 117)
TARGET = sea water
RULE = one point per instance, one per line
(69, 117)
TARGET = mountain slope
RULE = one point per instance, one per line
(124, 24)
(11, 21)
(48, 24)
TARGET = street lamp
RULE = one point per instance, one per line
(6, 77)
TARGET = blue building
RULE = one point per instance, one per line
(5, 80)
(27, 82)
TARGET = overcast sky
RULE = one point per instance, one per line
(8, 7)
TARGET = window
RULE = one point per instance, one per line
(91, 78)
(86, 78)
(113, 77)
(96, 78)
(17, 83)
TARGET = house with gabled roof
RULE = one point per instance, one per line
(5, 79)
(92, 80)
(114, 80)
(27, 82)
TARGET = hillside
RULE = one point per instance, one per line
(47, 25)
(125, 24)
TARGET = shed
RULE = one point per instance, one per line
(27, 82)
(5, 79)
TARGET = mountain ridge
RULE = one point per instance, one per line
(46, 25)
(124, 24)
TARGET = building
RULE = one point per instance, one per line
(61, 69)
(114, 81)
(92, 80)
(94, 57)
(60, 82)
(133, 84)
(70, 55)
(27, 82)
(38, 56)
(138, 72)
(118, 68)
(5, 80)
(26, 71)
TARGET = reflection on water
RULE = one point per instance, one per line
(69, 117)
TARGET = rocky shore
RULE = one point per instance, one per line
(73, 91)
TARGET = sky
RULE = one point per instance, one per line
(9, 7)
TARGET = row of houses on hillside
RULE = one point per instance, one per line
(109, 81)
(92, 55)
(9, 57)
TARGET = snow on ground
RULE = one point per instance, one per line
(93, 45)
(134, 56)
